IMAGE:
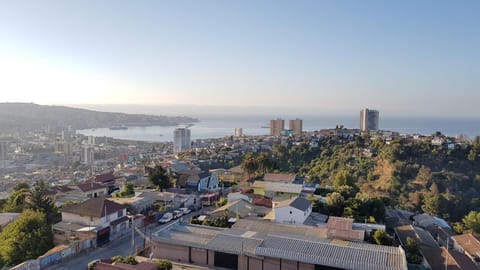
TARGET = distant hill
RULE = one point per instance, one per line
(29, 116)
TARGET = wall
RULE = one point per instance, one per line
(283, 215)
(171, 252)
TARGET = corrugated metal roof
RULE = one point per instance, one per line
(341, 254)
(285, 242)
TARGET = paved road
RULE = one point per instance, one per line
(121, 247)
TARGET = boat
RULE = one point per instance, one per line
(122, 127)
(265, 127)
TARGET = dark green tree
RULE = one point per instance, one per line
(381, 238)
(41, 201)
(159, 177)
(472, 221)
(27, 238)
(250, 164)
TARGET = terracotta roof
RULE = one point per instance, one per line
(118, 221)
(89, 186)
(96, 207)
(469, 243)
(339, 223)
(280, 177)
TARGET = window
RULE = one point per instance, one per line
(120, 213)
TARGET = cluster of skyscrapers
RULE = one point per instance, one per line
(277, 127)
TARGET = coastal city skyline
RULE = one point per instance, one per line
(242, 135)
(403, 58)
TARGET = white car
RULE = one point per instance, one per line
(177, 213)
(167, 217)
(185, 210)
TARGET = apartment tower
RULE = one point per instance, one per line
(181, 140)
(369, 120)
(276, 127)
(296, 126)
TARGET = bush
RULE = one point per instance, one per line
(163, 264)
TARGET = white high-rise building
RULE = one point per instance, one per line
(369, 119)
(238, 132)
(88, 155)
(181, 140)
(3, 154)
(91, 140)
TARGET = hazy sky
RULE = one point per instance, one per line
(401, 57)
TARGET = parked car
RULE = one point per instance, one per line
(185, 210)
(195, 207)
(167, 217)
(177, 213)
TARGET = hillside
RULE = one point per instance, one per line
(29, 116)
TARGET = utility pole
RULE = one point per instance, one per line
(133, 238)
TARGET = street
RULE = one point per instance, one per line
(118, 247)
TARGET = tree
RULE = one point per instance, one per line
(163, 264)
(342, 178)
(412, 251)
(472, 221)
(381, 238)
(264, 162)
(39, 200)
(159, 177)
(249, 164)
(128, 260)
(26, 238)
(17, 201)
(335, 203)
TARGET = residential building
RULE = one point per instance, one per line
(123, 266)
(91, 140)
(92, 189)
(3, 154)
(296, 126)
(469, 245)
(276, 127)
(106, 218)
(209, 183)
(238, 132)
(181, 140)
(369, 120)
(294, 211)
(88, 155)
(276, 190)
(63, 147)
(280, 177)
(268, 246)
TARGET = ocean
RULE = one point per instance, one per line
(219, 126)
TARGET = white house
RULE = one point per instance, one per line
(107, 218)
(295, 210)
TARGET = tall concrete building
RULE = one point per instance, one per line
(296, 126)
(181, 140)
(3, 154)
(276, 127)
(238, 132)
(369, 119)
(88, 155)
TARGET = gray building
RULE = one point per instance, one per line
(3, 154)
(181, 140)
(369, 119)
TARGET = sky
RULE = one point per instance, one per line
(419, 58)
